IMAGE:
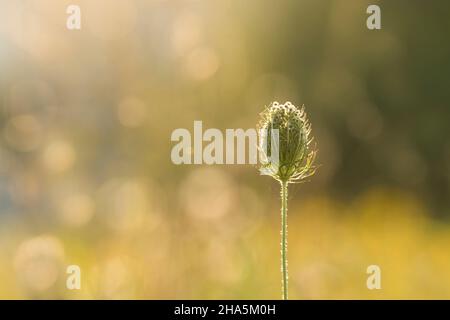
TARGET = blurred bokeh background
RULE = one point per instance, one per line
(85, 170)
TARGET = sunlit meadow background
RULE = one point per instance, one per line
(85, 170)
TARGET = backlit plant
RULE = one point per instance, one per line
(284, 129)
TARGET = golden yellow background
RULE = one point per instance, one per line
(85, 170)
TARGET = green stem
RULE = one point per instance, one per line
(284, 263)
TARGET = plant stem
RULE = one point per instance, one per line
(284, 263)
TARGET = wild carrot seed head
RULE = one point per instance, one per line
(294, 146)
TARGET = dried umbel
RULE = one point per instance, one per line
(286, 154)
(292, 143)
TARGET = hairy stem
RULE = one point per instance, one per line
(284, 263)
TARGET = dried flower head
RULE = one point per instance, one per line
(292, 142)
